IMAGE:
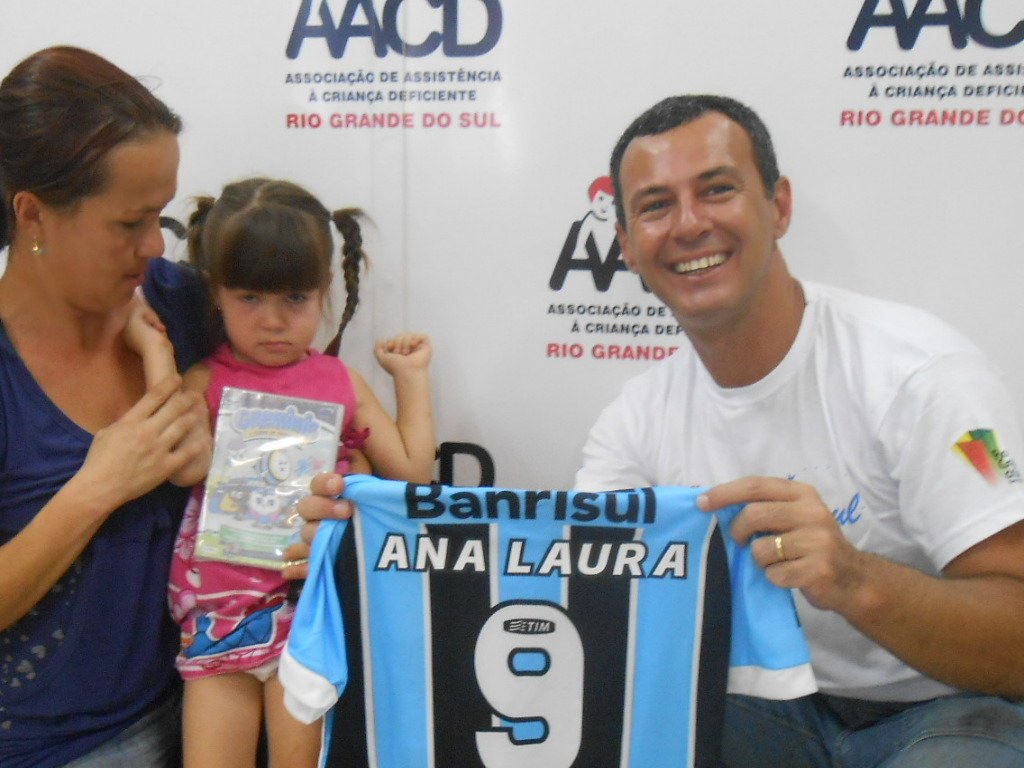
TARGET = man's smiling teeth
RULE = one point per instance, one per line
(685, 267)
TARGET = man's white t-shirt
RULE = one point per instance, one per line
(904, 427)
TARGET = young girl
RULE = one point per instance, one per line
(265, 247)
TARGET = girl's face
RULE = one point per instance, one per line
(270, 329)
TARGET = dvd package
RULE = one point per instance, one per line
(266, 450)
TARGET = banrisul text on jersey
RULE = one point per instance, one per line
(635, 507)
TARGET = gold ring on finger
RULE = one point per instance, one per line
(779, 549)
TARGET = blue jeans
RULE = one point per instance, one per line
(154, 741)
(830, 732)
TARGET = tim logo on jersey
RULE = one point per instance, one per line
(382, 23)
(981, 449)
(591, 245)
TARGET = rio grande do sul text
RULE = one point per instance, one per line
(626, 319)
(938, 82)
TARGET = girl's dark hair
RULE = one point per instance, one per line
(62, 110)
(273, 235)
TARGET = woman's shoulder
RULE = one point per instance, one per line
(177, 293)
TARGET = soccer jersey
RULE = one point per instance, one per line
(502, 628)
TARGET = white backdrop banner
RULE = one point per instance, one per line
(476, 134)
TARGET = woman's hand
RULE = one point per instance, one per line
(142, 449)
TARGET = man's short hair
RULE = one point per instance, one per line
(680, 110)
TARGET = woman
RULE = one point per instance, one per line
(88, 159)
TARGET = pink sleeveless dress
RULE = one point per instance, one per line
(236, 618)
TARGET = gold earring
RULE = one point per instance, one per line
(37, 250)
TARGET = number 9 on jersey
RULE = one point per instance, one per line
(529, 665)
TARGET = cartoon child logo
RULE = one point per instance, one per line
(591, 245)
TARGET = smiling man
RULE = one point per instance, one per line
(873, 445)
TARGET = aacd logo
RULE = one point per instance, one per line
(591, 245)
(384, 32)
(962, 26)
